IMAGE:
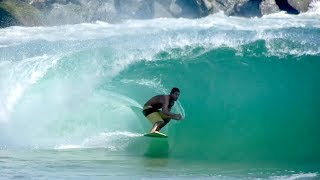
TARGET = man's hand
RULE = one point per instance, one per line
(178, 117)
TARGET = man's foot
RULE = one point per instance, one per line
(154, 132)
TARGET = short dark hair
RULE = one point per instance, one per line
(173, 90)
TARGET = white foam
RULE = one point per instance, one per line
(68, 146)
(149, 37)
(314, 9)
(295, 176)
(3, 113)
(113, 141)
(101, 30)
(18, 76)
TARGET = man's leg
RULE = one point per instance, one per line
(162, 124)
(157, 126)
(156, 120)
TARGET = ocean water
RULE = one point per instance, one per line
(71, 98)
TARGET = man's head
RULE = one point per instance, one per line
(175, 93)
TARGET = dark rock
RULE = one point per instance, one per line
(249, 8)
(19, 13)
(285, 6)
(7, 19)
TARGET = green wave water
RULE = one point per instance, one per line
(249, 87)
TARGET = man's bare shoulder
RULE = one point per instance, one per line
(159, 98)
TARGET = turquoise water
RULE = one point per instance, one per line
(71, 98)
(99, 164)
